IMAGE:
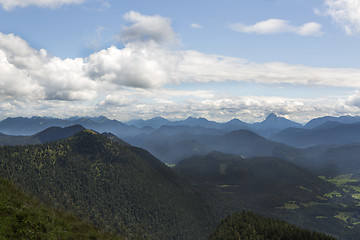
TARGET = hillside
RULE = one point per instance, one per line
(265, 181)
(342, 159)
(247, 225)
(114, 186)
(23, 217)
(279, 189)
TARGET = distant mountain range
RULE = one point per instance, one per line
(325, 134)
(270, 126)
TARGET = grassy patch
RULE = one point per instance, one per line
(304, 188)
(291, 205)
(333, 194)
(356, 196)
(170, 165)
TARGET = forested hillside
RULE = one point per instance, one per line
(116, 187)
(247, 225)
(24, 217)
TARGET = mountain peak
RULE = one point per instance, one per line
(271, 116)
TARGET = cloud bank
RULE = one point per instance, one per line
(276, 26)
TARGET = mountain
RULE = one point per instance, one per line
(33, 125)
(196, 122)
(273, 124)
(114, 138)
(180, 129)
(342, 160)
(249, 144)
(234, 124)
(116, 187)
(342, 119)
(29, 126)
(328, 133)
(249, 225)
(173, 148)
(48, 135)
(169, 148)
(24, 217)
(276, 188)
(155, 122)
(268, 181)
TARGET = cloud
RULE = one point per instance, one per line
(354, 100)
(276, 26)
(148, 28)
(136, 65)
(223, 108)
(10, 4)
(31, 73)
(199, 67)
(344, 12)
(196, 26)
(117, 100)
(133, 81)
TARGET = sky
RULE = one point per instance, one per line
(215, 59)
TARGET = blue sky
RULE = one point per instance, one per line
(214, 59)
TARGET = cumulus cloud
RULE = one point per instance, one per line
(10, 4)
(344, 12)
(275, 26)
(148, 28)
(31, 73)
(136, 65)
(117, 100)
(354, 100)
(195, 26)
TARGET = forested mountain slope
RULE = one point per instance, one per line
(24, 217)
(116, 187)
(247, 225)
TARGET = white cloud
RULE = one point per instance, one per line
(346, 13)
(15, 82)
(199, 67)
(10, 4)
(136, 65)
(117, 100)
(133, 81)
(148, 28)
(276, 26)
(195, 26)
(354, 100)
(225, 108)
(30, 73)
